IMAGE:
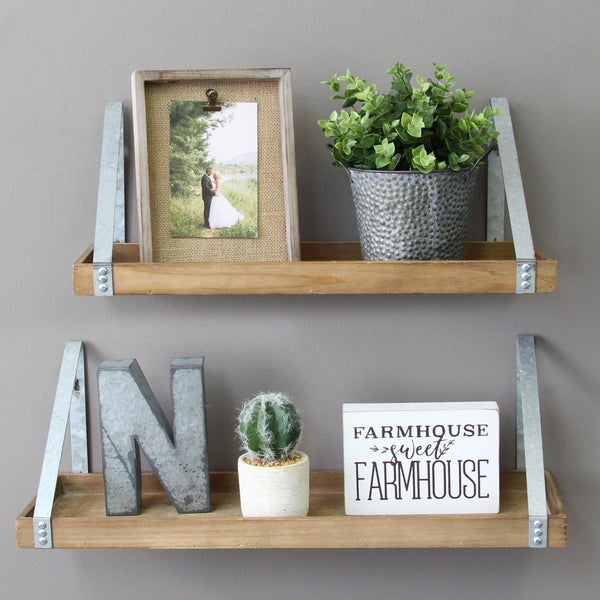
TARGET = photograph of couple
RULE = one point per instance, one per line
(218, 211)
(213, 170)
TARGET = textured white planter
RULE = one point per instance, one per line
(274, 491)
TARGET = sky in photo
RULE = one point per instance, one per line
(239, 135)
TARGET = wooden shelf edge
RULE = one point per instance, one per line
(326, 268)
(79, 520)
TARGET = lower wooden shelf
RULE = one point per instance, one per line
(79, 520)
(325, 268)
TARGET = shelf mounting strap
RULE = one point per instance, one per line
(530, 454)
(110, 215)
(504, 181)
(69, 405)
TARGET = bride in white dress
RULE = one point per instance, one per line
(222, 213)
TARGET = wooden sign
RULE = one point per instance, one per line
(421, 458)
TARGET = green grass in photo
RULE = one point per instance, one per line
(187, 214)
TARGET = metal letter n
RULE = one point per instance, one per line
(131, 418)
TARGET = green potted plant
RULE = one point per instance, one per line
(412, 156)
(273, 475)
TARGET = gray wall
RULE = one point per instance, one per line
(62, 60)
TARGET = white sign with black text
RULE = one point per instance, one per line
(421, 458)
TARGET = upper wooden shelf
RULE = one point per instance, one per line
(325, 268)
(79, 520)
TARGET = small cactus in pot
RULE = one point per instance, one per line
(273, 475)
(269, 428)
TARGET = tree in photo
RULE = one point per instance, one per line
(190, 129)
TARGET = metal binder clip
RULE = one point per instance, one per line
(212, 105)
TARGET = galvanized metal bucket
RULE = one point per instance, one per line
(409, 215)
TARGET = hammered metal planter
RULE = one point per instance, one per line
(409, 215)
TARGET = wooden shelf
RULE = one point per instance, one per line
(325, 268)
(79, 520)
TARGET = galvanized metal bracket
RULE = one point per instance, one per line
(496, 199)
(504, 181)
(530, 456)
(69, 405)
(110, 215)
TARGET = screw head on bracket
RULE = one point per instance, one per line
(103, 288)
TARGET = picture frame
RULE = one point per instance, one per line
(277, 237)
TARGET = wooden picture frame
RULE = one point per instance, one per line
(278, 235)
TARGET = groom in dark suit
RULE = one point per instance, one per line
(207, 193)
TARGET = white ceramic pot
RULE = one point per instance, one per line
(274, 491)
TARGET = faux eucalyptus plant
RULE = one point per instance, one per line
(425, 128)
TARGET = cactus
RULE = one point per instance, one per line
(269, 427)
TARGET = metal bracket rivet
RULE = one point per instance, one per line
(525, 283)
(42, 525)
(103, 287)
(538, 540)
(104, 278)
(43, 541)
(538, 524)
(102, 270)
